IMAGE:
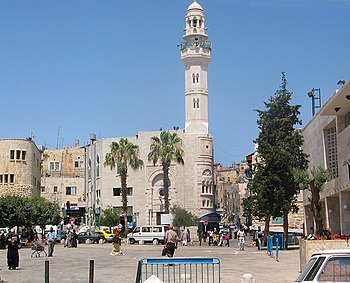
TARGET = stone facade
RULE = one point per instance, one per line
(19, 167)
(63, 176)
(327, 143)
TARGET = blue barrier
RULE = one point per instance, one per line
(270, 244)
(179, 269)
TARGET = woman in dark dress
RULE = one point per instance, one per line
(74, 239)
(13, 242)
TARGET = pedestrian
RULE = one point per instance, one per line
(117, 241)
(74, 241)
(241, 238)
(2, 241)
(170, 241)
(200, 236)
(188, 236)
(13, 245)
(184, 237)
(51, 240)
(258, 237)
(68, 242)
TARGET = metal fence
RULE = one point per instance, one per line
(179, 270)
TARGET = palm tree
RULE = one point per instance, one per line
(165, 149)
(123, 154)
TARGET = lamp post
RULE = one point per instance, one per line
(315, 95)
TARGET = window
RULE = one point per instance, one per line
(6, 178)
(332, 152)
(196, 103)
(97, 166)
(54, 166)
(12, 154)
(98, 193)
(18, 154)
(146, 229)
(55, 189)
(117, 192)
(71, 191)
(0, 178)
(347, 119)
(78, 163)
(42, 189)
(197, 78)
(24, 153)
(12, 178)
(157, 229)
(336, 270)
(193, 78)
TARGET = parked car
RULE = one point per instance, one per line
(108, 236)
(92, 236)
(327, 266)
(152, 233)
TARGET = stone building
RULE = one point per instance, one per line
(62, 180)
(19, 167)
(227, 195)
(327, 141)
(191, 184)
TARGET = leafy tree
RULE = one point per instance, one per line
(124, 154)
(313, 181)
(14, 211)
(279, 152)
(109, 217)
(181, 217)
(166, 149)
(43, 212)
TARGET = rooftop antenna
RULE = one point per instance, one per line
(58, 137)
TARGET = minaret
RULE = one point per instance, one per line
(195, 54)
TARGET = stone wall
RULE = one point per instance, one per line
(308, 247)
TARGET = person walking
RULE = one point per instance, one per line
(241, 238)
(170, 241)
(51, 240)
(258, 237)
(117, 241)
(74, 242)
(184, 237)
(13, 245)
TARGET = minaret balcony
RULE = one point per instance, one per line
(195, 43)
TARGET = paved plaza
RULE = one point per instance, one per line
(72, 265)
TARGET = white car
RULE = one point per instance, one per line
(327, 266)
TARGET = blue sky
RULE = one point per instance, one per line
(112, 67)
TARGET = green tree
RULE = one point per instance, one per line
(279, 152)
(14, 211)
(313, 181)
(43, 212)
(181, 217)
(166, 149)
(124, 154)
(109, 217)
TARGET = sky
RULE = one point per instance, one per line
(112, 67)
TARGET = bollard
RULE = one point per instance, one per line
(47, 277)
(277, 249)
(248, 278)
(91, 271)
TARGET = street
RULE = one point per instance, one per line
(72, 265)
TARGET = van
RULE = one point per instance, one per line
(4, 230)
(151, 233)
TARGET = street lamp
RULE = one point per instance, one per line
(315, 95)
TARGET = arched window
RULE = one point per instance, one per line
(197, 78)
(202, 187)
(193, 78)
(89, 169)
(196, 103)
(203, 203)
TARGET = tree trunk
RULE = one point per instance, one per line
(316, 208)
(285, 229)
(166, 184)
(123, 176)
(267, 228)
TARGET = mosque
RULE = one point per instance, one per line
(191, 184)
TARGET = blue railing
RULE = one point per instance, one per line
(270, 244)
(179, 270)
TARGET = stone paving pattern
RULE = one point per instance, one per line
(72, 265)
